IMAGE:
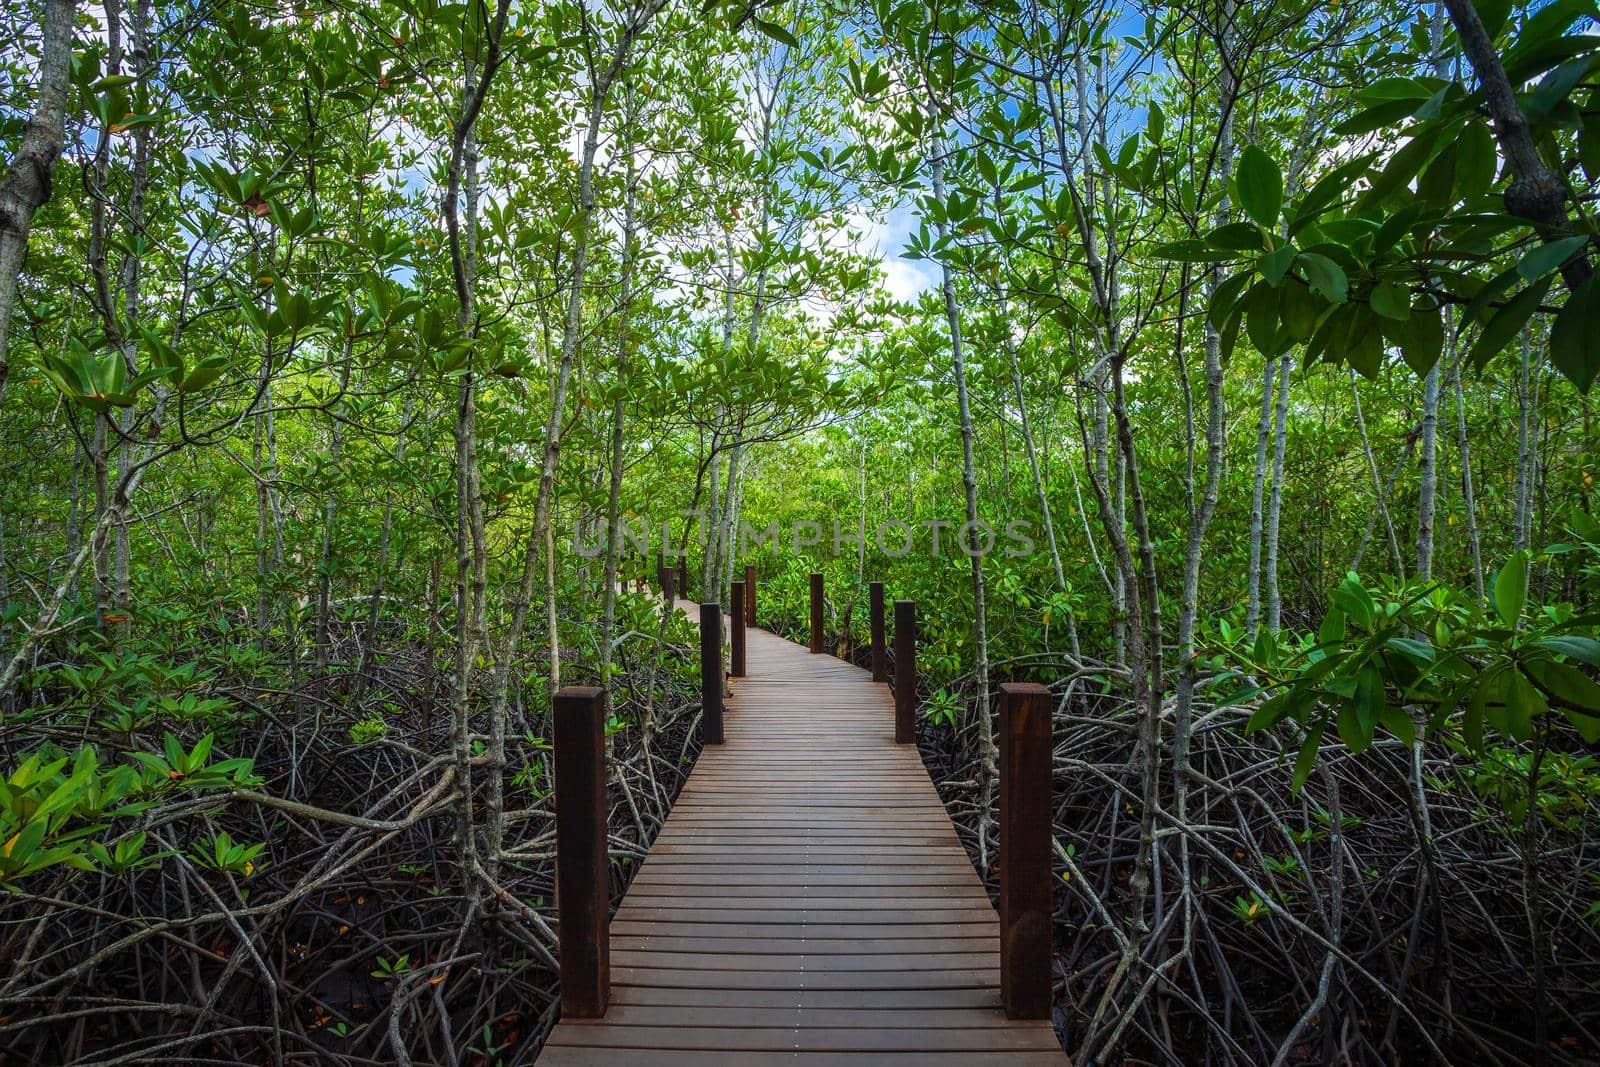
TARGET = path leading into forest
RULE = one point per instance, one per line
(807, 900)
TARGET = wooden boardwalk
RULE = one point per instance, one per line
(807, 900)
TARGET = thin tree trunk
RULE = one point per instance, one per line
(1469, 500)
(26, 185)
(1383, 495)
(1428, 473)
(1252, 617)
(1379, 495)
(133, 211)
(608, 605)
(1033, 468)
(1522, 526)
(369, 636)
(988, 754)
(1274, 601)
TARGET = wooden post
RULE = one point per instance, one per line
(668, 590)
(816, 613)
(683, 573)
(905, 672)
(1025, 904)
(736, 627)
(711, 673)
(749, 594)
(583, 881)
(880, 666)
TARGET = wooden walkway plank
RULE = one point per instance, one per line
(807, 902)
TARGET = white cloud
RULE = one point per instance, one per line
(886, 237)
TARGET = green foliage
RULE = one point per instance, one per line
(225, 856)
(1464, 667)
(1387, 240)
(54, 808)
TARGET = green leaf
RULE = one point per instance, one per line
(1419, 652)
(1276, 263)
(1476, 160)
(1493, 15)
(1508, 321)
(1545, 258)
(1403, 165)
(1351, 732)
(205, 372)
(776, 32)
(1298, 311)
(1332, 630)
(1575, 337)
(1472, 722)
(1192, 250)
(1326, 278)
(1566, 684)
(1369, 699)
(1261, 318)
(1307, 757)
(1259, 184)
(1582, 649)
(1511, 588)
(1523, 702)
(1379, 115)
(1236, 237)
(1276, 709)
(1420, 339)
(1397, 722)
(1392, 301)
(1588, 726)
(1225, 297)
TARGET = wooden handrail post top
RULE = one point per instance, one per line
(905, 671)
(583, 882)
(711, 673)
(1026, 890)
(736, 627)
(816, 613)
(749, 594)
(880, 654)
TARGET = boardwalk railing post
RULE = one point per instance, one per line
(1025, 903)
(736, 628)
(905, 671)
(683, 573)
(583, 882)
(816, 613)
(749, 594)
(668, 591)
(880, 666)
(711, 673)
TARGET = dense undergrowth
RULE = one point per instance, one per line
(1381, 914)
(218, 856)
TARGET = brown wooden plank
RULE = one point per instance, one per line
(622, 928)
(799, 943)
(732, 1000)
(573, 1056)
(858, 912)
(625, 973)
(806, 1039)
(950, 1018)
(900, 963)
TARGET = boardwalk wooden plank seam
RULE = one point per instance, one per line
(807, 901)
